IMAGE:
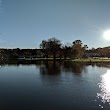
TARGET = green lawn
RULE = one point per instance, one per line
(43, 58)
(92, 60)
(75, 60)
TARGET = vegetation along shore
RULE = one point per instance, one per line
(53, 49)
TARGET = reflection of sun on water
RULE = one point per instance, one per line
(104, 86)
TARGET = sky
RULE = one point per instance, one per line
(25, 23)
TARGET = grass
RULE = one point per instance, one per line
(44, 59)
(75, 60)
(92, 60)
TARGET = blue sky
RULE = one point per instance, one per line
(25, 23)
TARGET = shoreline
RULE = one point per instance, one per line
(68, 59)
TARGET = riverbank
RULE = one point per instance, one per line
(74, 60)
(92, 60)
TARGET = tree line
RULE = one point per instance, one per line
(50, 48)
(53, 48)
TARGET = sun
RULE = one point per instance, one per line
(106, 35)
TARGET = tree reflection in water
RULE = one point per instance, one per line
(56, 67)
(50, 68)
(76, 68)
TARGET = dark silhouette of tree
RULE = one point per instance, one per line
(51, 46)
(1, 54)
(44, 47)
(12, 53)
(67, 50)
(54, 46)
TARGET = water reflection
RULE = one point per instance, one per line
(104, 86)
(54, 84)
(76, 68)
(55, 67)
(50, 68)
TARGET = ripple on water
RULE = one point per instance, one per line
(104, 86)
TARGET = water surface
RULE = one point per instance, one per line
(54, 86)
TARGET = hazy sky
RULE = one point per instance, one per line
(25, 23)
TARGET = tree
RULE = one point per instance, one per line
(104, 52)
(67, 50)
(1, 54)
(78, 49)
(44, 47)
(51, 46)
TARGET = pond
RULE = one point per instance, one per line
(53, 85)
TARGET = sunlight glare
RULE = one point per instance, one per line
(104, 86)
(106, 35)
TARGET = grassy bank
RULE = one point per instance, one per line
(74, 60)
(92, 60)
(46, 59)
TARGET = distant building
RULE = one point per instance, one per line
(90, 53)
